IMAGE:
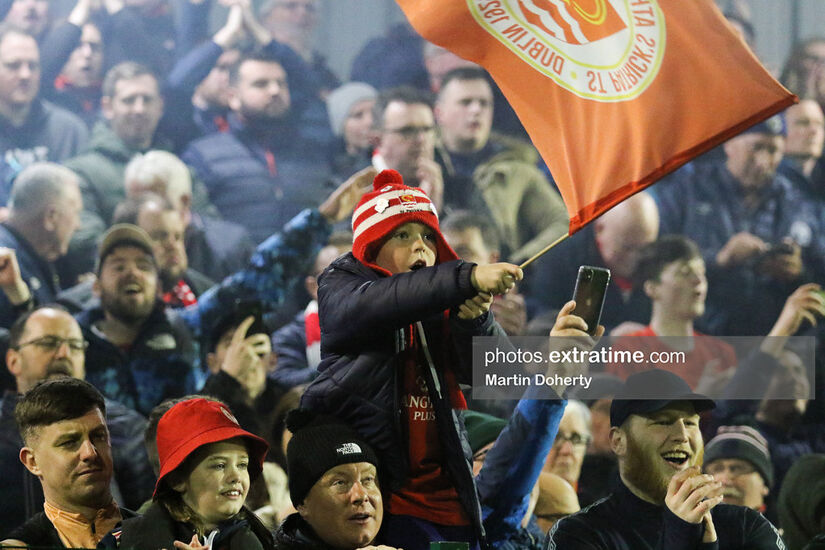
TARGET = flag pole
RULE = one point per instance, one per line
(543, 251)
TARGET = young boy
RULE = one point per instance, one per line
(397, 316)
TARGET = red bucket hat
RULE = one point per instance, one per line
(196, 422)
(388, 205)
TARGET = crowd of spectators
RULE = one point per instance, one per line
(238, 297)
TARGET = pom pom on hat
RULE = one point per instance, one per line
(389, 205)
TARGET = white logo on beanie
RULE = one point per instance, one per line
(385, 188)
(348, 449)
(382, 205)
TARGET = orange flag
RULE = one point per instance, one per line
(614, 93)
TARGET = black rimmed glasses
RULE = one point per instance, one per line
(53, 343)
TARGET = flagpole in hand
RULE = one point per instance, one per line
(543, 251)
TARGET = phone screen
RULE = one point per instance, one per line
(591, 286)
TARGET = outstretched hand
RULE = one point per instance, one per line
(496, 278)
(339, 205)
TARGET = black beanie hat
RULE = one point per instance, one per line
(319, 443)
(744, 443)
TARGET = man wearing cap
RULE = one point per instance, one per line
(333, 483)
(139, 353)
(755, 233)
(738, 457)
(67, 447)
(663, 500)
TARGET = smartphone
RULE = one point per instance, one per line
(591, 286)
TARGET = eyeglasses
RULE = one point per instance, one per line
(577, 440)
(734, 470)
(53, 343)
(409, 132)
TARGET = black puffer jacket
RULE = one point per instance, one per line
(156, 529)
(296, 534)
(365, 318)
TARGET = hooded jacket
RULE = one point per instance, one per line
(364, 317)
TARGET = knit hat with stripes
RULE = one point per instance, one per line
(389, 205)
(744, 443)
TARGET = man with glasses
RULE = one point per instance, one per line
(404, 122)
(738, 457)
(45, 344)
(567, 454)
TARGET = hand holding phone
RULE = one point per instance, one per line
(591, 286)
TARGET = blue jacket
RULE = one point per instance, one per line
(159, 365)
(364, 317)
(37, 273)
(513, 465)
(705, 204)
(290, 343)
(259, 178)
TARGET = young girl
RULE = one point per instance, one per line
(206, 465)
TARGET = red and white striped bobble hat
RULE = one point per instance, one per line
(388, 205)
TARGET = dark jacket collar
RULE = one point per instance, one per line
(296, 534)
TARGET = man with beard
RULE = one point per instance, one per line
(180, 286)
(272, 162)
(47, 343)
(663, 501)
(139, 353)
